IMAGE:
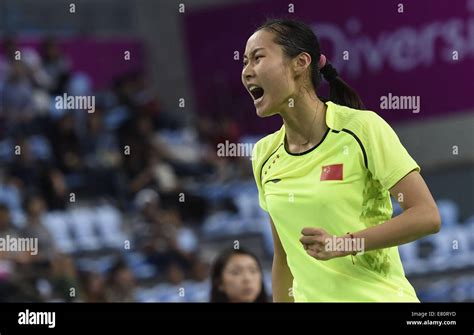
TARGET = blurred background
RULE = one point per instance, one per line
(132, 202)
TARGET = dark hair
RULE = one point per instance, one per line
(119, 265)
(296, 37)
(4, 207)
(220, 263)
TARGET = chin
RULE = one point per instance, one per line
(260, 114)
(248, 299)
(264, 112)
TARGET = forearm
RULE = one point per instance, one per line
(409, 226)
(420, 217)
(282, 281)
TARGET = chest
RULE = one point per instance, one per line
(329, 176)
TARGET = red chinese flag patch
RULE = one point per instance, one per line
(331, 172)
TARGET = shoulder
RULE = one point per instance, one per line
(355, 120)
(266, 146)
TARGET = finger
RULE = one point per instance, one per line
(308, 231)
(308, 240)
(313, 253)
(305, 246)
(316, 248)
(320, 256)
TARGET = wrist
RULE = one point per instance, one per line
(342, 243)
(349, 249)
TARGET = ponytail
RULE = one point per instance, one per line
(296, 37)
(339, 91)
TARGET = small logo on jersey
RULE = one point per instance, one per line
(331, 172)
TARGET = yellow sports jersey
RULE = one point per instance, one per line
(340, 185)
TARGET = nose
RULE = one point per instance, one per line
(247, 277)
(247, 72)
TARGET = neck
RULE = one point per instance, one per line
(305, 123)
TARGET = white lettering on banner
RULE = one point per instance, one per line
(403, 49)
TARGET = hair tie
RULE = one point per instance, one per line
(329, 72)
(322, 61)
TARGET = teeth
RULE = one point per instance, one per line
(252, 87)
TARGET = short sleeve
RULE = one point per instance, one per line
(256, 167)
(387, 160)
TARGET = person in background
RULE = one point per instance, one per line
(14, 285)
(36, 208)
(121, 283)
(93, 287)
(56, 65)
(236, 276)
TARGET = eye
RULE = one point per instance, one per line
(254, 270)
(258, 57)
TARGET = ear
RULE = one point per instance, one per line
(301, 63)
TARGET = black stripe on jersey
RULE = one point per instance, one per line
(309, 150)
(266, 160)
(360, 144)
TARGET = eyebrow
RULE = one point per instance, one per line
(254, 51)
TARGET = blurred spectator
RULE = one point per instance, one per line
(147, 201)
(66, 144)
(23, 89)
(99, 146)
(25, 170)
(18, 107)
(175, 274)
(11, 195)
(64, 279)
(36, 208)
(56, 65)
(101, 158)
(145, 163)
(121, 283)
(160, 234)
(237, 277)
(54, 188)
(6, 258)
(93, 287)
(13, 281)
(200, 271)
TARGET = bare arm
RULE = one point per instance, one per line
(282, 279)
(420, 217)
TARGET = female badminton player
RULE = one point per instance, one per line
(326, 176)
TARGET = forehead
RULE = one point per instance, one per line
(260, 39)
(241, 260)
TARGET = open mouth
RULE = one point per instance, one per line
(256, 92)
